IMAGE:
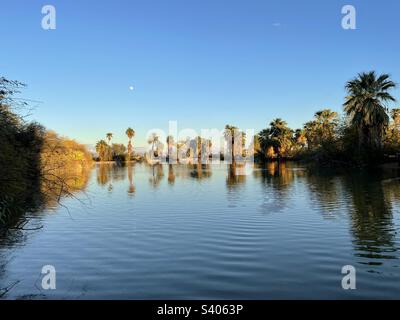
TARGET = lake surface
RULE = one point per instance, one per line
(203, 232)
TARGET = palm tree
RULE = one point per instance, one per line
(130, 133)
(131, 189)
(322, 129)
(208, 148)
(243, 144)
(327, 121)
(109, 136)
(311, 133)
(199, 144)
(230, 135)
(153, 140)
(170, 143)
(395, 114)
(102, 149)
(366, 106)
(300, 137)
(279, 136)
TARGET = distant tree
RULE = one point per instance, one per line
(102, 149)
(322, 129)
(109, 136)
(170, 144)
(154, 140)
(118, 151)
(327, 122)
(199, 145)
(278, 136)
(231, 134)
(130, 133)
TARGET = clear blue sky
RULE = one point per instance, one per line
(203, 63)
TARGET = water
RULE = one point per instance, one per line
(201, 232)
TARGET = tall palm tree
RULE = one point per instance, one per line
(366, 106)
(109, 136)
(153, 140)
(243, 144)
(230, 135)
(130, 133)
(170, 143)
(199, 145)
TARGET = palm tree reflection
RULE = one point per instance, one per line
(132, 188)
(236, 175)
(157, 174)
(109, 173)
(171, 174)
(367, 198)
(372, 217)
(276, 181)
(200, 171)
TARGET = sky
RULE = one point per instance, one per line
(203, 63)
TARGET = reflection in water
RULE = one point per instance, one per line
(307, 205)
(371, 215)
(132, 188)
(367, 197)
(200, 171)
(368, 200)
(236, 175)
(103, 173)
(57, 185)
(157, 175)
(109, 173)
(235, 183)
(276, 180)
(171, 174)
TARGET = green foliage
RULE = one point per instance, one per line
(118, 152)
(366, 107)
(115, 152)
(277, 140)
(236, 140)
(364, 137)
(130, 133)
(20, 144)
(104, 151)
(30, 156)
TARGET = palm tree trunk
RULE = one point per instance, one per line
(233, 149)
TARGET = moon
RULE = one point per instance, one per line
(131, 88)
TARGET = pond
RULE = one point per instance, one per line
(205, 232)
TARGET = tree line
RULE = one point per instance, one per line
(108, 151)
(367, 132)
